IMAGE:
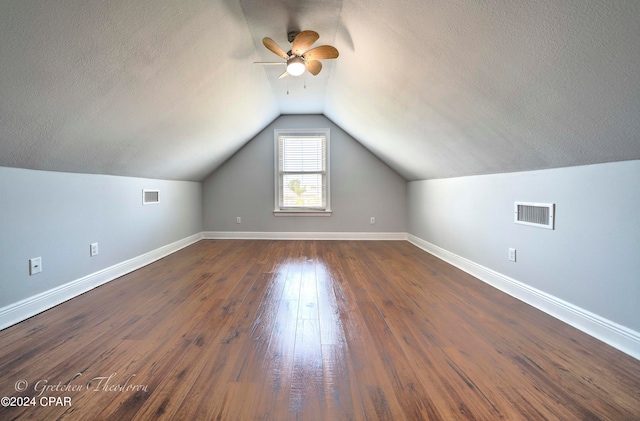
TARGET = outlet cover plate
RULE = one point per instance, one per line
(35, 265)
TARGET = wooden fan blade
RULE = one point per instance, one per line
(313, 67)
(321, 53)
(274, 48)
(283, 75)
(303, 41)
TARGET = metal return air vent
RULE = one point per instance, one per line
(534, 214)
(150, 197)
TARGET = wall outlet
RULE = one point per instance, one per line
(35, 265)
(512, 254)
(373, 220)
(93, 250)
(238, 220)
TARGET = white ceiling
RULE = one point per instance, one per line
(441, 88)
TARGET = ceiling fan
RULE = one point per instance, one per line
(300, 57)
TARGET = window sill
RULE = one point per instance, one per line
(301, 213)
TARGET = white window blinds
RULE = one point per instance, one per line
(302, 171)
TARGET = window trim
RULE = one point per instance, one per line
(277, 211)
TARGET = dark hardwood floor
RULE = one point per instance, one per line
(307, 330)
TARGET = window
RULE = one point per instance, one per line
(302, 172)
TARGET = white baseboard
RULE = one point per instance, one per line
(618, 336)
(22, 310)
(249, 235)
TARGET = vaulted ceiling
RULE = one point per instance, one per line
(441, 88)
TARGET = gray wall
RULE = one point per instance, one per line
(591, 259)
(362, 186)
(57, 215)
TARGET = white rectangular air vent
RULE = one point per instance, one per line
(534, 214)
(150, 197)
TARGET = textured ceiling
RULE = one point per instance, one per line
(441, 88)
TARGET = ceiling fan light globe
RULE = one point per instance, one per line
(295, 66)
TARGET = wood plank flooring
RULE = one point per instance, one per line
(307, 330)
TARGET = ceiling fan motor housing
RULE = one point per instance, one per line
(292, 35)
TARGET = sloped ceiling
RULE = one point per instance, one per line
(168, 89)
